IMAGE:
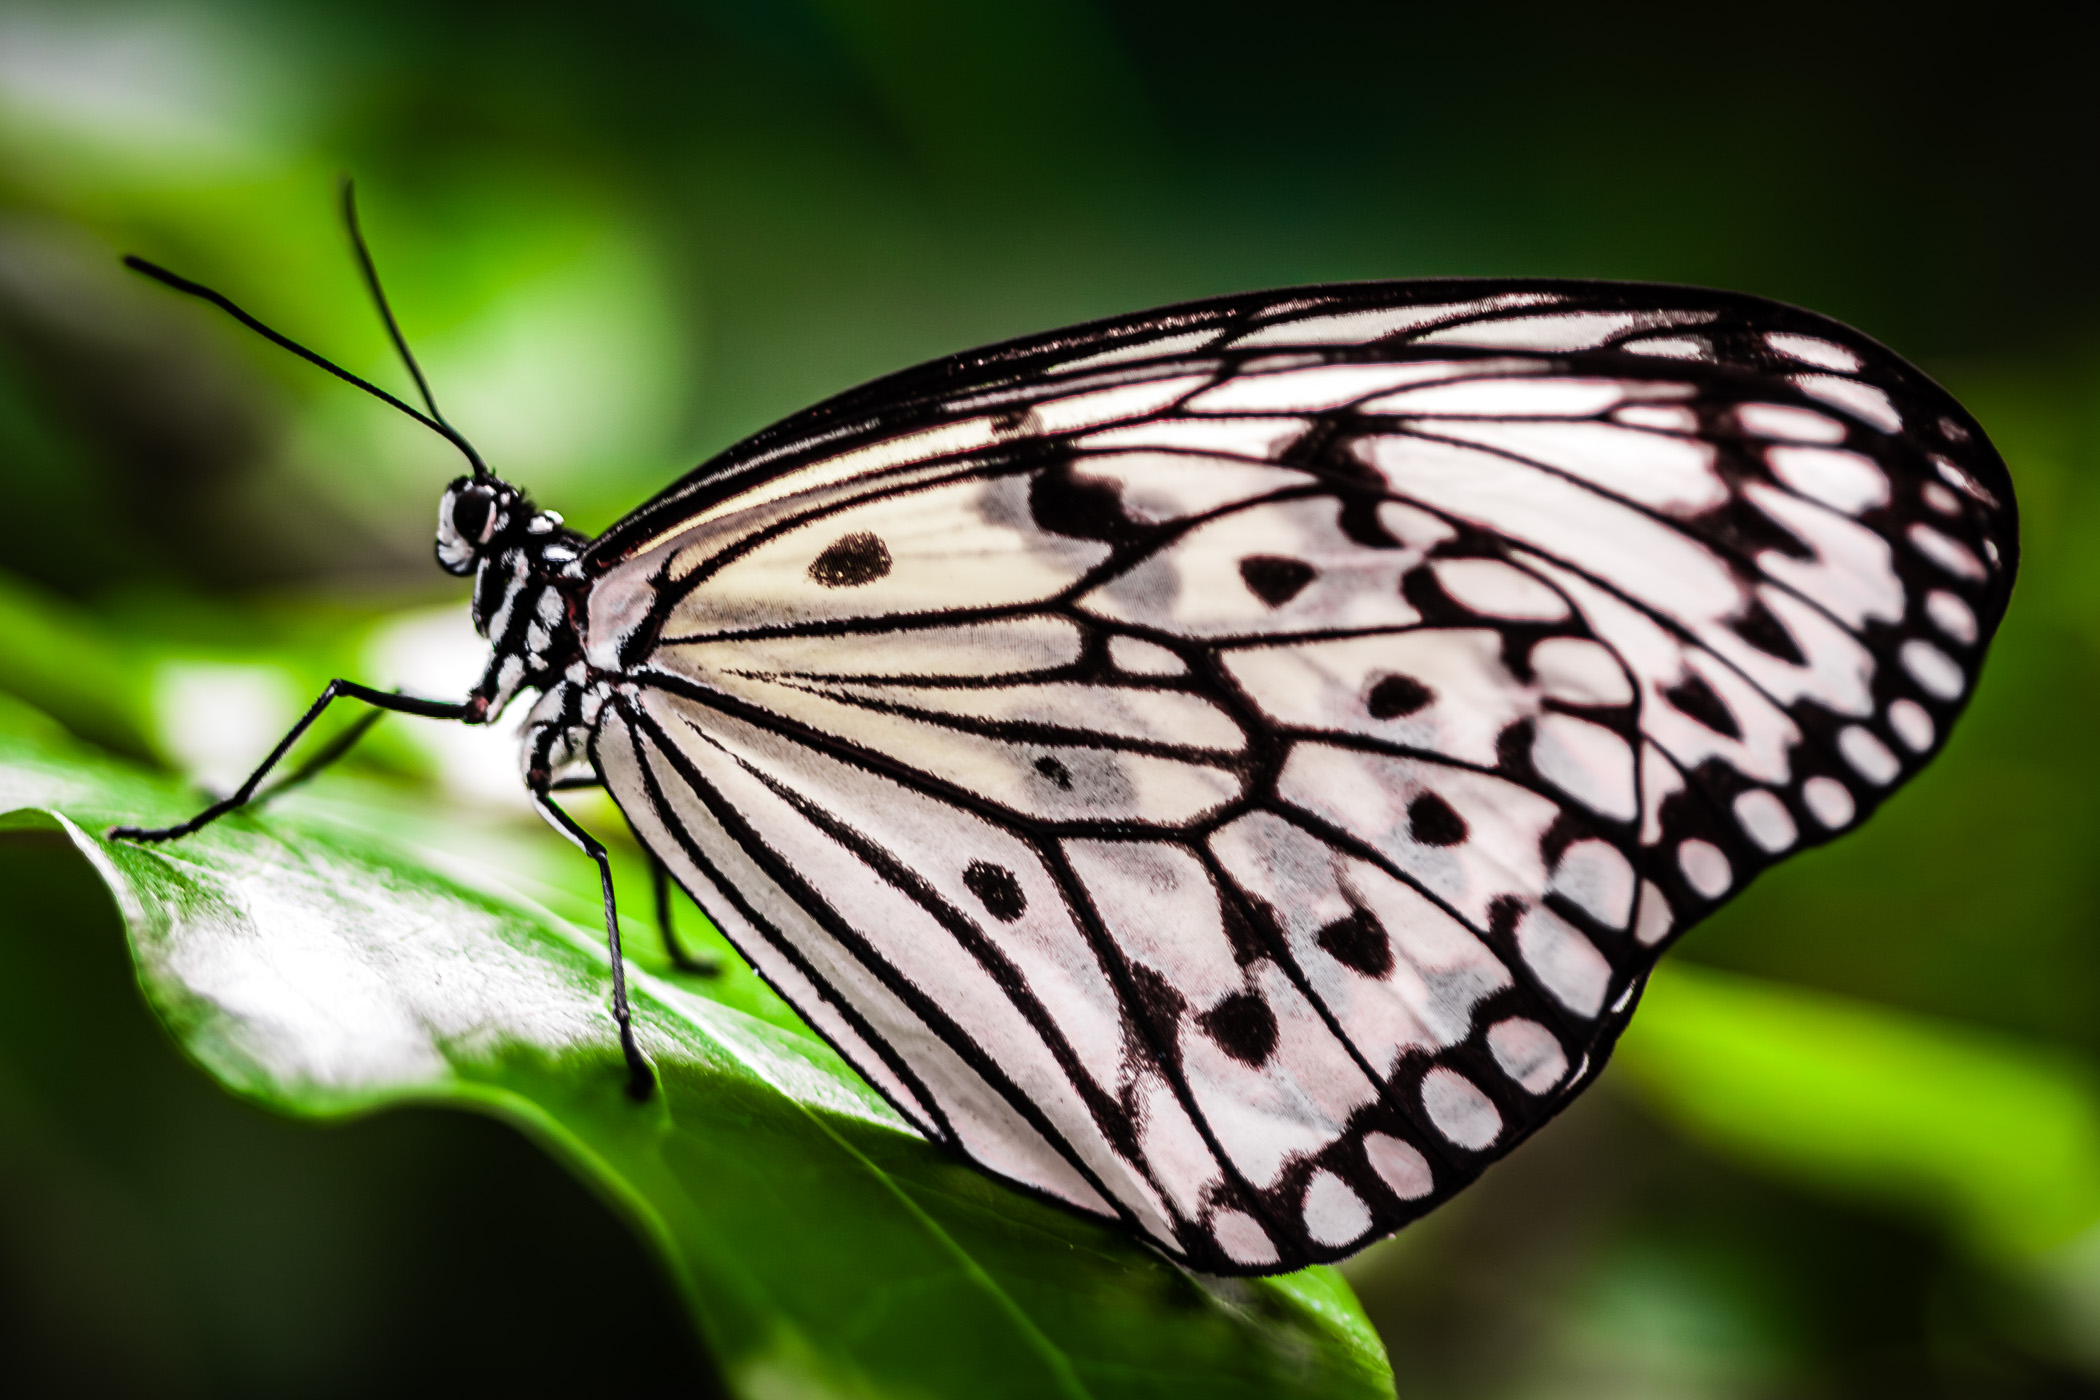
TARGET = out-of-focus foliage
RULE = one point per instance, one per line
(1999, 1139)
(1851, 1153)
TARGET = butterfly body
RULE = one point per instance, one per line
(1230, 770)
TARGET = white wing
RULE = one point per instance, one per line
(1232, 771)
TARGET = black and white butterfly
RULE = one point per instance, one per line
(1231, 769)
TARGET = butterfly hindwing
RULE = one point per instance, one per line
(1232, 770)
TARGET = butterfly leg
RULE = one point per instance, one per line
(382, 701)
(641, 1080)
(700, 964)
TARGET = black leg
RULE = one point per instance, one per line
(331, 751)
(380, 699)
(686, 962)
(641, 1080)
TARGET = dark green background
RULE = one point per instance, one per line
(627, 233)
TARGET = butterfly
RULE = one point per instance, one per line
(1230, 770)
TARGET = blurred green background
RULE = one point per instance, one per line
(1851, 1148)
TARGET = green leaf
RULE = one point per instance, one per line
(1996, 1137)
(322, 970)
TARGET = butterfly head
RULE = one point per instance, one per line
(475, 517)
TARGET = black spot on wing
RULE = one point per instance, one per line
(1064, 503)
(1056, 772)
(1394, 696)
(1251, 926)
(851, 560)
(1432, 821)
(1161, 1002)
(1761, 629)
(996, 888)
(1694, 697)
(1243, 1026)
(1747, 530)
(1274, 579)
(1356, 941)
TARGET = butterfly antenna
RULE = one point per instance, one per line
(226, 304)
(393, 327)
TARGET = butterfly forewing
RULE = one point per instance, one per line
(1231, 770)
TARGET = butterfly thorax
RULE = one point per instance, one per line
(526, 601)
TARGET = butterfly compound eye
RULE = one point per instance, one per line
(470, 515)
(464, 517)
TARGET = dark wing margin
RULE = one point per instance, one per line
(1231, 770)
